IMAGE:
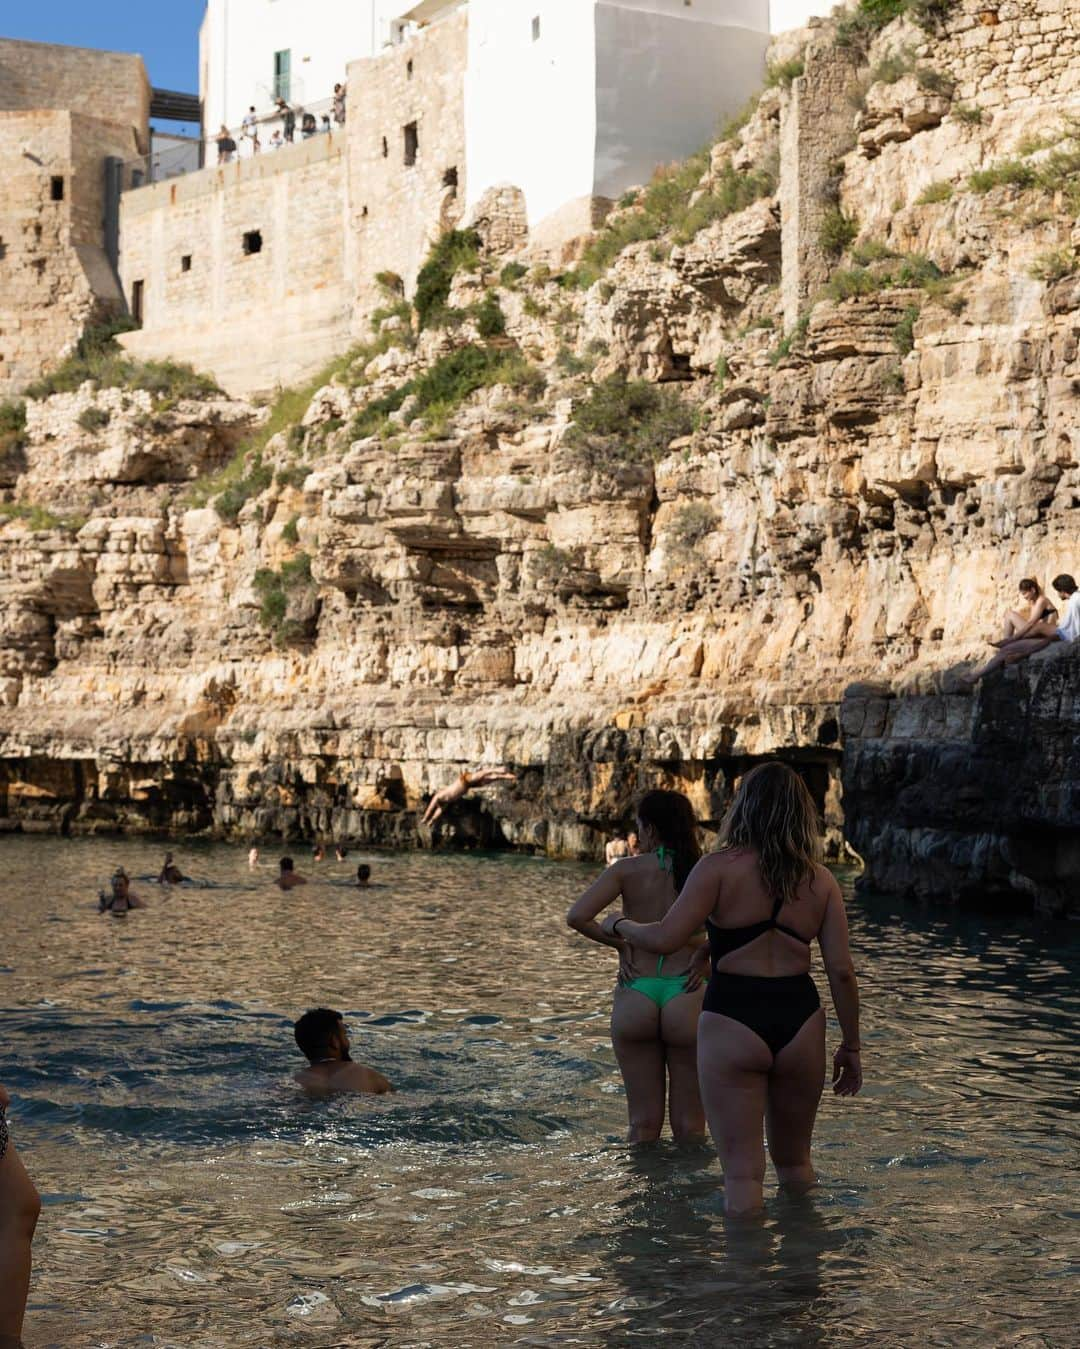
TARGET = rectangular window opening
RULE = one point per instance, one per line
(252, 242)
(185, 263)
(409, 70)
(3, 250)
(385, 148)
(283, 74)
(536, 28)
(450, 177)
(412, 144)
(137, 302)
(56, 188)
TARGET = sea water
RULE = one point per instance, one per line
(194, 1198)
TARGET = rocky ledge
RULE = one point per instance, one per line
(970, 798)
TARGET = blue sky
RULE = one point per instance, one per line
(165, 33)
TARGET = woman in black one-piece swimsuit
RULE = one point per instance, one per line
(764, 897)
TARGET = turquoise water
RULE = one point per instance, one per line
(193, 1199)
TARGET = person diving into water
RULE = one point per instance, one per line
(466, 782)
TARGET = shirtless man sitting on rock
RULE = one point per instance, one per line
(324, 1041)
(465, 783)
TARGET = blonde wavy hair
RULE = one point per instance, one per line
(774, 814)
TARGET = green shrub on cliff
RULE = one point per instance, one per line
(779, 74)
(39, 519)
(1054, 265)
(837, 231)
(903, 334)
(441, 389)
(94, 419)
(689, 526)
(277, 591)
(629, 421)
(12, 426)
(935, 193)
(100, 359)
(452, 252)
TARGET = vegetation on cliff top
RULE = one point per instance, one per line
(99, 359)
(628, 422)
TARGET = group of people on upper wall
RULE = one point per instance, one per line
(285, 133)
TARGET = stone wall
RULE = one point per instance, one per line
(54, 275)
(396, 210)
(255, 319)
(108, 86)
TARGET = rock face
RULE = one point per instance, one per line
(663, 600)
(973, 799)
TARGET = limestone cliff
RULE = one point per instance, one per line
(609, 526)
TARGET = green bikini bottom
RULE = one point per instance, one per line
(660, 988)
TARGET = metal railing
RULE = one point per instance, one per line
(270, 131)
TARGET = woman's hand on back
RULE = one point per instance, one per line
(847, 1072)
(628, 971)
(700, 968)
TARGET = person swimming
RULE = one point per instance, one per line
(318, 853)
(253, 857)
(288, 877)
(654, 1013)
(363, 876)
(122, 897)
(340, 852)
(322, 1038)
(170, 873)
(764, 897)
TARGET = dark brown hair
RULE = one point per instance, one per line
(1028, 585)
(1064, 582)
(672, 817)
(774, 814)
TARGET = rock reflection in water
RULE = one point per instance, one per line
(192, 1196)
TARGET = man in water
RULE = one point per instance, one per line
(288, 877)
(616, 849)
(324, 1041)
(1039, 635)
(633, 847)
(363, 876)
(253, 857)
(465, 782)
(170, 873)
(340, 852)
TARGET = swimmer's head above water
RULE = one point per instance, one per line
(321, 1036)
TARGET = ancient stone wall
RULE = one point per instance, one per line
(108, 86)
(242, 265)
(397, 208)
(54, 275)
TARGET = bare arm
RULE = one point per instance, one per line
(605, 890)
(836, 953)
(134, 902)
(1037, 610)
(682, 920)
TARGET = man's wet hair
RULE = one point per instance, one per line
(286, 864)
(1064, 582)
(315, 1030)
(363, 872)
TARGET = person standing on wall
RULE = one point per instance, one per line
(288, 121)
(339, 104)
(764, 897)
(226, 146)
(251, 130)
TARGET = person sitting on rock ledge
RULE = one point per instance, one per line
(1019, 622)
(465, 782)
(289, 878)
(324, 1041)
(1039, 634)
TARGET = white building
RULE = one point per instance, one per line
(250, 51)
(578, 100)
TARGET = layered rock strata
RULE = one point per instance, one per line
(852, 500)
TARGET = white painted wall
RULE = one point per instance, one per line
(667, 75)
(530, 108)
(611, 89)
(239, 39)
(794, 13)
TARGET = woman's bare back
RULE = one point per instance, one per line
(648, 891)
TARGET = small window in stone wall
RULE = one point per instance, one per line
(409, 70)
(56, 188)
(185, 263)
(536, 28)
(252, 242)
(3, 250)
(385, 148)
(450, 177)
(137, 301)
(412, 144)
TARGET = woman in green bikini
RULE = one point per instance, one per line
(655, 1010)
